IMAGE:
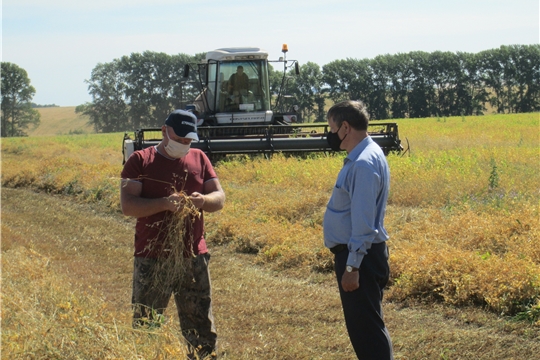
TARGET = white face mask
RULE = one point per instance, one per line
(175, 149)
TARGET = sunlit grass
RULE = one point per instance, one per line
(53, 304)
(61, 120)
(462, 216)
(85, 166)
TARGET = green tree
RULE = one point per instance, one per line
(526, 61)
(17, 93)
(358, 80)
(422, 91)
(444, 71)
(108, 112)
(398, 69)
(340, 77)
(308, 92)
(380, 84)
(470, 89)
(155, 86)
(275, 77)
(139, 90)
(498, 75)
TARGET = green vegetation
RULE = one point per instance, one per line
(16, 93)
(66, 286)
(463, 219)
(140, 90)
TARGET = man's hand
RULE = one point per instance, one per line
(212, 197)
(175, 202)
(350, 281)
(197, 199)
(134, 205)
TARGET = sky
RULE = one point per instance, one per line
(59, 42)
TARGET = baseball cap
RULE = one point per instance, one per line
(184, 124)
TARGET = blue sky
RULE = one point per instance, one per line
(59, 42)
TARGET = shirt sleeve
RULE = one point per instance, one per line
(132, 168)
(364, 185)
(209, 172)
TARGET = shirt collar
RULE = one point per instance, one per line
(164, 155)
(355, 153)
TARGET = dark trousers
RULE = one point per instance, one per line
(192, 294)
(363, 307)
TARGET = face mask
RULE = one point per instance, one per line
(334, 141)
(175, 149)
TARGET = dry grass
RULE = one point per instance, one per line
(65, 285)
(463, 219)
(66, 282)
(61, 120)
(469, 191)
(84, 166)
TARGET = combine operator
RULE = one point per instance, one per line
(239, 85)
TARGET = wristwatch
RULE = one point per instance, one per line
(350, 268)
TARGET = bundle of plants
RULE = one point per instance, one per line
(174, 244)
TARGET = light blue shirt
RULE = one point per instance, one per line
(355, 212)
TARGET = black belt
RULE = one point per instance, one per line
(339, 248)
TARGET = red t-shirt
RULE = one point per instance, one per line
(160, 177)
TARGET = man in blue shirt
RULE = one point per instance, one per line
(354, 229)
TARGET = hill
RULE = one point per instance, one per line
(61, 121)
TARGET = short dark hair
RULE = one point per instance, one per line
(353, 111)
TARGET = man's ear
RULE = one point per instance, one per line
(345, 125)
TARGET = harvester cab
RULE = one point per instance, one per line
(236, 89)
(235, 113)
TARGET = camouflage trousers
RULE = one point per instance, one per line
(192, 295)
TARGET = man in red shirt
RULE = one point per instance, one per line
(151, 182)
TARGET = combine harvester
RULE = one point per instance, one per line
(236, 117)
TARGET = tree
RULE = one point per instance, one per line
(471, 91)
(139, 90)
(422, 93)
(341, 76)
(526, 60)
(398, 68)
(108, 112)
(275, 78)
(378, 101)
(17, 94)
(308, 92)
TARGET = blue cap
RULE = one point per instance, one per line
(184, 124)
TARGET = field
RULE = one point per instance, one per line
(61, 120)
(463, 219)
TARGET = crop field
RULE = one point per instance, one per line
(463, 219)
(61, 120)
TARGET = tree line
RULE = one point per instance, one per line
(420, 84)
(139, 90)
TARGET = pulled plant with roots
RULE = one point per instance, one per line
(175, 232)
(176, 244)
